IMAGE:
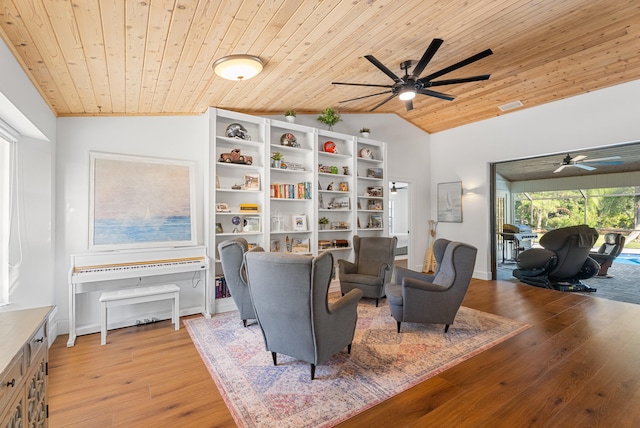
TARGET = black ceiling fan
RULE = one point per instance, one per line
(411, 84)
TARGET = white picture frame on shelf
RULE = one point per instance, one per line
(222, 207)
(375, 191)
(374, 172)
(340, 203)
(299, 222)
(251, 224)
(375, 221)
(300, 245)
(375, 205)
(252, 181)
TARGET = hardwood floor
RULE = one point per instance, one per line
(577, 366)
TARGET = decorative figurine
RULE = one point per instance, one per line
(345, 170)
(330, 186)
(236, 221)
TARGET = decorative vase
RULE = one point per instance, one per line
(291, 119)
(276, 163)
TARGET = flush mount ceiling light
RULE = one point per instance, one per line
(238, 67)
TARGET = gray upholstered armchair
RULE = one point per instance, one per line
(231, 257)
(372, 267)
(289, 293)
(416, 297)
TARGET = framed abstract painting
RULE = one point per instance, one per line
(140, 202)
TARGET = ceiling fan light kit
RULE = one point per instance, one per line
(407, 94)
(407, 87)
(237, 67)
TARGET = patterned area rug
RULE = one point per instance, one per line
(382, 363)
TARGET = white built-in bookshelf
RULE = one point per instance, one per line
(323, 174)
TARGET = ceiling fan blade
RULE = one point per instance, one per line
(614, 162)
(609, 158)
(409, 105)
(362, 84)
(579, 158)
(585, 167)
(460, 80)
(383, 68)
(560, 168)
(436, 94)
(378, 105)
(366, 96)
(426, 57)
(457, 65)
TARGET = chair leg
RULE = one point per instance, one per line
(446, 328)
(275, 358)
(377, 302)
(313, 371)
(244, 322)
(399, 326)
(349, 349)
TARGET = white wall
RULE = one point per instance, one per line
(600, 118)
(182, 137)
(22, 107)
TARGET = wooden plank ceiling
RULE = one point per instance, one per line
(147, 57)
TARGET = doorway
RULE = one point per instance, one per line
(399, 220)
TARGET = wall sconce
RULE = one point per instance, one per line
(238, 67)
(394, 190)
(473, 191)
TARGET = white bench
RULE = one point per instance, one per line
(129, 296)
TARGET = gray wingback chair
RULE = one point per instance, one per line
(231, 257)
(416, 297)
(372, 267)
(289, 294)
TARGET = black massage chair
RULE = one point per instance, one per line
(608, 251)
(562, 262)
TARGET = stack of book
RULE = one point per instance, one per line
(222, 291)
(291, 191)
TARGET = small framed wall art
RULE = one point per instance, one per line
(450, 202)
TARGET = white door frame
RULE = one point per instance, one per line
(410, 187)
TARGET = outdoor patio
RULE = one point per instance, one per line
(624, 286)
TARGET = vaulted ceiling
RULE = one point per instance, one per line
(148, 57)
